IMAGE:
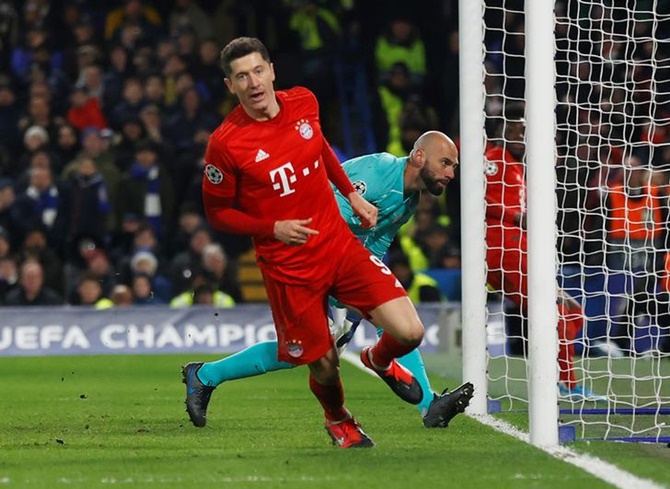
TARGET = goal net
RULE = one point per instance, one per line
(612, 119)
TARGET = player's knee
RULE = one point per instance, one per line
(327, 376)
(326, 370)
(413, 335)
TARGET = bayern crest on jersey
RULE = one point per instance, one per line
(490, 168)
(360, 187)
(305, 129)
(213, 174)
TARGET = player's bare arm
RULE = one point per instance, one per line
(365, 211)
(294, 231)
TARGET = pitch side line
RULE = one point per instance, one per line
(602, 470)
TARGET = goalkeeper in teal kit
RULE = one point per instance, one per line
(393, 185)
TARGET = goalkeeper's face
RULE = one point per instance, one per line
(437, 157)
(437, 172)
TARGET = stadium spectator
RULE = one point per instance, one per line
(9, 277)
(187, 14)
(190, 116)
(67, 145)
(186, 41)
(92, 77)
(204, 295)
(42, 204)
(319, 32)
(31, 290)
(187, 169)
(89, 205)
(132, 132)
(35, 247)
(5, 244)
(154, 91)
(152, 121)
(145, 262)
(33, 50)
(121, 296)
(173, 67)
(40, 159)
(189, 220)
(135, 19)
(419, 286)
(208, 72)
(136, 235)
(89, 293)
(7, 217)
(41, 13)
(215, 263)
(631, 219)
(9, 32)
(82, 46)
(117, 72)
(131, 103)
(35, 139)
(98, 262)
(85, 111)
(146, 190)
(188, 263)
(143, 294)
(9, 118)
(401, 43)
(96, 147)
(202, 284)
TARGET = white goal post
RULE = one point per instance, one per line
(591, 78)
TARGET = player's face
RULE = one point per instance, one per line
(514, 139)
(439, 168)
(252, 81)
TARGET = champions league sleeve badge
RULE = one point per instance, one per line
(490, 168)
(213, 174)
(360, 187)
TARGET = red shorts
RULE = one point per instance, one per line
(300, 311)
(507, 264)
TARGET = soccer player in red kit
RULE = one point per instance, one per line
(506, 241)
(267, 173)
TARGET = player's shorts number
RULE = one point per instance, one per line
(385, 270)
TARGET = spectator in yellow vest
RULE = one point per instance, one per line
(633, 217)
(89, 292)
(201, 284)
(401, 43)
(122, 296)
(419, 286)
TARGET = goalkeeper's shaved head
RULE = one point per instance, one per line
(431, 139)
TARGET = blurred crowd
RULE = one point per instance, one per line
(105, 112)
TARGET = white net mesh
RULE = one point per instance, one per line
(613, 161)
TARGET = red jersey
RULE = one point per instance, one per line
(278, 170)
(505, 189)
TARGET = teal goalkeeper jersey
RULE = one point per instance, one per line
(379, 179)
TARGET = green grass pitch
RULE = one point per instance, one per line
(119, 421)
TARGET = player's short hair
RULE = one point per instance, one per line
(240, 47)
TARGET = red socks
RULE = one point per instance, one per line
(387, 349)
(331, 398)
(570, 321)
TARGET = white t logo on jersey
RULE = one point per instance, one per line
(282, 177)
